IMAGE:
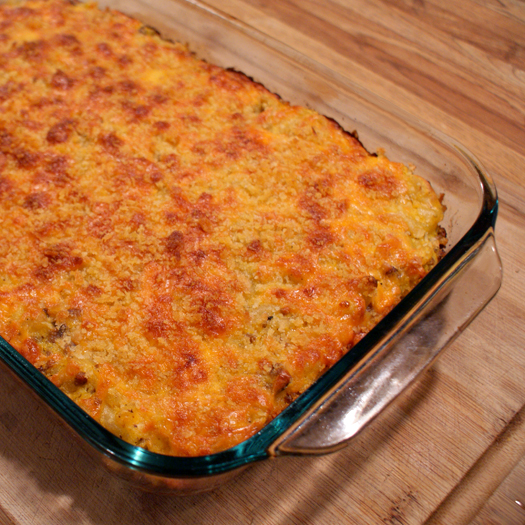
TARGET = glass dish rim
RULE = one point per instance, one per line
(256, 448)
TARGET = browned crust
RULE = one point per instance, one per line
(182, 252)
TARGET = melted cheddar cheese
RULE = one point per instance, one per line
(182, 252)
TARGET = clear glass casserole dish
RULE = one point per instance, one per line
(397, 350)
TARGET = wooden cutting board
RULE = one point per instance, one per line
(450, 450)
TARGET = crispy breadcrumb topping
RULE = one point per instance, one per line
(182, 252)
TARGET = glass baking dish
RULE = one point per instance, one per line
(396, 351)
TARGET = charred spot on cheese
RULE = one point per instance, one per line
(80, 379)
(185, 253)
(25, 158)
(174, 244)
(66, 40)
(36, 200)
(314, 209)
(128, 87)
(61, 81)
(97, 72)
(34, 51)
(61, 131)
(110, 141)
(58, 259)
(320, 238)
(161, 125)
(381, 182)
(104, 49)
(55, 171)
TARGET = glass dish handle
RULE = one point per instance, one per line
(349, 406)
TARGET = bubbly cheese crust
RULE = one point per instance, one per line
(182, 252)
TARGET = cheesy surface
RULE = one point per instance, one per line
(182, 252)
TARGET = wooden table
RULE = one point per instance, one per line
(450, 450)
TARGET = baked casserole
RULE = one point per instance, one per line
(182, 252)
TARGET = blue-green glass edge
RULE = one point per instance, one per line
(255, 448)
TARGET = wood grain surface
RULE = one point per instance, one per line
(450, 450)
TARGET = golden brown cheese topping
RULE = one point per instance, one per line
(181, 252)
